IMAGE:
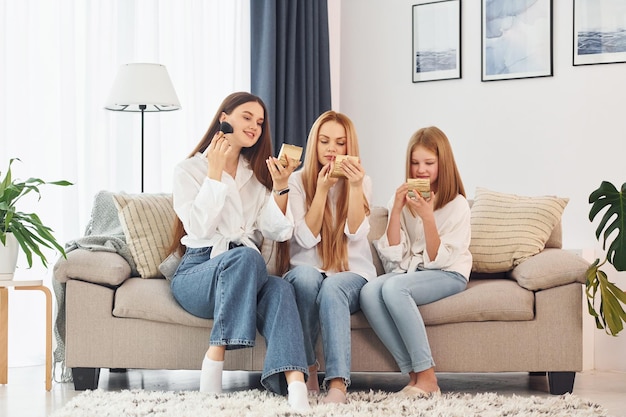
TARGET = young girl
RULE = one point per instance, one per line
(330, 253)
(425, 252)
(225, 204)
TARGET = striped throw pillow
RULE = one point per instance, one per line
(147, 221)
(507, 228)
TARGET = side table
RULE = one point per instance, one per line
(4, 325)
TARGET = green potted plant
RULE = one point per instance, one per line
(25, 228)
(610, 314)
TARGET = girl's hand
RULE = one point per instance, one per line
(216, 153)
(353, 171)
(280, 174)
(401, 197)
(421, 206)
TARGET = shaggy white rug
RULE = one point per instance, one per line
(255, 403)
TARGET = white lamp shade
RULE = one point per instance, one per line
(142, 84)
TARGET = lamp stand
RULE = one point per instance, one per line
(142, 107)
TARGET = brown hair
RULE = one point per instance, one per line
(333, 248)
(449, 183)
(256, 156)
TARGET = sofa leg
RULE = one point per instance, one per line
(85, 378)
(561, 382)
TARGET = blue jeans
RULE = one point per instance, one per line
(390, 302)
(326, 303)
(235, 291)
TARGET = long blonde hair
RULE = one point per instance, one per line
(255, 155)
(333, 248)
(449, 183)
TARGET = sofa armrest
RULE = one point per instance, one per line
(550, 268)
(98, 267)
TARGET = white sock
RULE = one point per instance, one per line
(211, 376)
(298, 396)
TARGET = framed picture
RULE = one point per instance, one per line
(599, 31)
(436, 40)
(516, 39)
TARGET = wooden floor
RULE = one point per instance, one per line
(25, 394)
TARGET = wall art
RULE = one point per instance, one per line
(516, 39)
(436, 40)
(599, 31)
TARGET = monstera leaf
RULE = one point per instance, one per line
(610, 315)
(608, 197)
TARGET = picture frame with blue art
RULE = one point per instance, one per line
(516, 39)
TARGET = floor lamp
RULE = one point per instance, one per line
(142, 88)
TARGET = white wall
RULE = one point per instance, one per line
(558, 135)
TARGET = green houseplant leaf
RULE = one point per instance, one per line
(614, 219)
(27, 228)
(610, 314)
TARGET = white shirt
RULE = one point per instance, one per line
(239, 210)
(304, 244)
(453, 224)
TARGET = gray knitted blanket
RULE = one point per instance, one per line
(103, 233)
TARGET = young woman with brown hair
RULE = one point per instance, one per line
(229, 194)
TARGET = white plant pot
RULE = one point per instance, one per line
(8, 257)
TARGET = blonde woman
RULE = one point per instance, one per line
(330, 254)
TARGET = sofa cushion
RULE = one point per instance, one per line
(508, 229)
(483, 300)
(147, 220)
(152, 299)
(550, 268)
(556, 237)
(99, 267)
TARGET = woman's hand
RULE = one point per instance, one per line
(324, 181)
(280, 174)
(216, 153)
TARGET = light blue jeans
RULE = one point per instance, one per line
(326, 303)
(390, 302)
(235, 291)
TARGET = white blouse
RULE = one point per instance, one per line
(239, 210)
(453, 224)
(304, 244)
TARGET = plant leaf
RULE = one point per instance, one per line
(614, 219)
(27, 228)
(610, 315)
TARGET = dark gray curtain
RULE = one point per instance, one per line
(290, 64)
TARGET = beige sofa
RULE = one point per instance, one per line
(527, 319)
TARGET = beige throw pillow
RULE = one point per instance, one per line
(147, 220)
(507, 228)
(550, 268)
